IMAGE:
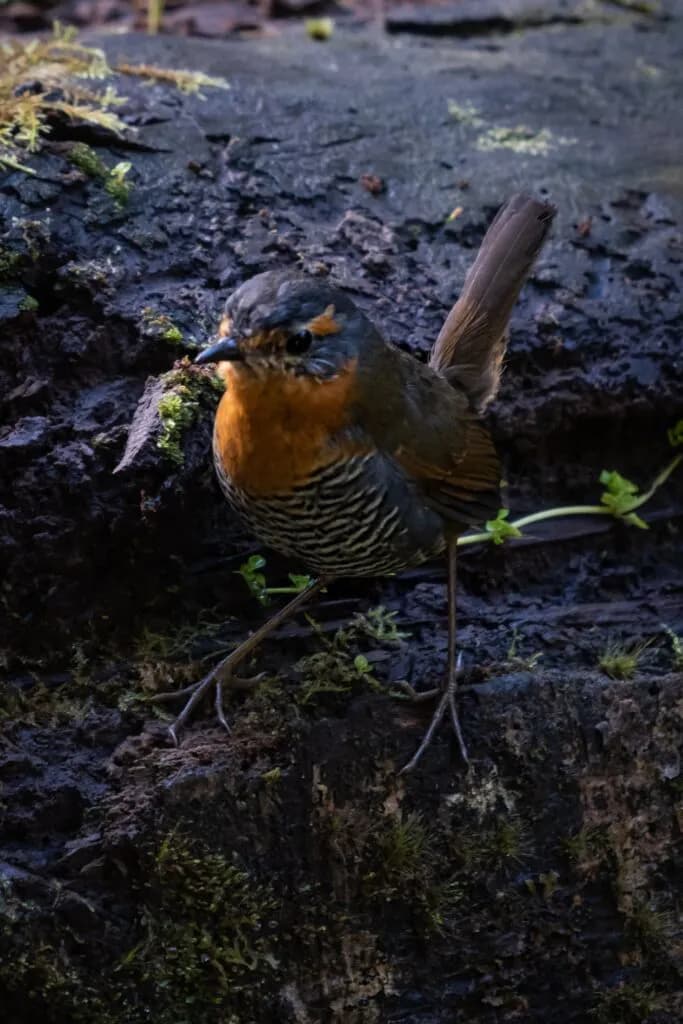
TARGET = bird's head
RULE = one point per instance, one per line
(281, 322)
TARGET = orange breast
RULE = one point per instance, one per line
(273, 431)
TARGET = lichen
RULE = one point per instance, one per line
(465, 113)
(520, 139)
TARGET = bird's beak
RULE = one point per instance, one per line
(223, 349)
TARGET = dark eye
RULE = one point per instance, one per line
(299, 343)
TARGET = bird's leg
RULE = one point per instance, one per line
(447, 702)
(222, 674)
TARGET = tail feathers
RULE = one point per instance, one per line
(472, 341)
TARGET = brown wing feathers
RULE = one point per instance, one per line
(471, 344)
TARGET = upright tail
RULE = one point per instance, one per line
(471, 343)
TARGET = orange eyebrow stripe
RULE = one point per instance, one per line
(324, 323)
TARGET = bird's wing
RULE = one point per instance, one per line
(427, 427)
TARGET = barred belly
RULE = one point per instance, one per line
(337, 524)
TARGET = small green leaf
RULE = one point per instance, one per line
(500, 529)
(255, 580)
(675, 434)
(299, 583)
(361, 664)
(621, 497)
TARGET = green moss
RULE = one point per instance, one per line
(87, 160)
(338, 669)
(402, 849)
(207, 935)
(342, 667)
(521, 662)
(9, 263)
(651, 929)
(159, 325)
(204, 945)
(628, 1004)
(493, 848)
(29, 304)
(41, 975)
(45, 705)
(177, 411)
(620, 660)
(589, 848)
(377, 624)
(61, 73)
(408, 870)
(188, 390)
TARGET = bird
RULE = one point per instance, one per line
(350, 456)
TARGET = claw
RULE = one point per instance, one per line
(447, 701)
(222, 674)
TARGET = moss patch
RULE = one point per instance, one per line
(187, 391)
(208, 934)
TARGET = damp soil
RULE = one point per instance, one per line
(543, 885)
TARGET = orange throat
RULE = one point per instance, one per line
(275, 430)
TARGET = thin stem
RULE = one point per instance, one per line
(576, 510)
(283, 590)
(537, 517)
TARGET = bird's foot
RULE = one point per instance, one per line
(219, 677)
(447, 703)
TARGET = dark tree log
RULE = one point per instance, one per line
(285, 873)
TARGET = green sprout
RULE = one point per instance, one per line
(620, 499)
(117, 185)
(518, 661)
(114, 178)
(250, 571)
(500, 529)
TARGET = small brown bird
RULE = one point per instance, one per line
(346, 454)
